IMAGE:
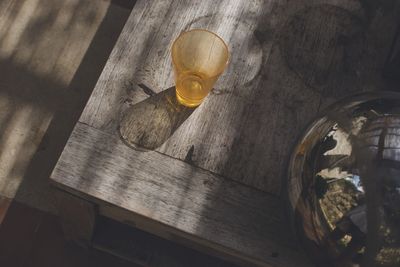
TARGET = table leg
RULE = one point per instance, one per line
(78, 217)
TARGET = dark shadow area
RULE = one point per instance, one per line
(337, 58)
(33, 238)
(128, 4)
(70, 105)
(391, 71)
(148, 250)
(151, 122)
(18, 101)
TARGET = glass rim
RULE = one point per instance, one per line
(210, 32)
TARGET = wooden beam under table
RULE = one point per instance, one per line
(78, 217)
(175, 200)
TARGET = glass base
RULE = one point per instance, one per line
(187, 102)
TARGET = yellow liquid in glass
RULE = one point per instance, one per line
(191, 88)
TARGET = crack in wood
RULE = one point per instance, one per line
(147, 90)
(189, 155)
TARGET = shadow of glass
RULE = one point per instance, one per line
(151, 122)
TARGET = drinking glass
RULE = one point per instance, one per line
(199, 57)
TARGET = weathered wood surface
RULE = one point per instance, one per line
(166, 116)
(239, 220)
(289, 60)
(210, 177)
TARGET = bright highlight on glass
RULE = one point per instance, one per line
(199, 57)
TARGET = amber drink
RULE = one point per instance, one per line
(199, 57)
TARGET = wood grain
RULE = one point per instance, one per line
(151, 122)
(289, 60)
(193, 202)
(209, 181)
(147, 60)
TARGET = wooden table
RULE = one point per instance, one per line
(213, 177)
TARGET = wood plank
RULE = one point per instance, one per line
(129, 67)
(290, 59)
(246, 222)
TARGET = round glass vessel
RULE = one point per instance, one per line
(344, 183)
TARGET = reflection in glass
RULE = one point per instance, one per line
(344, 183)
